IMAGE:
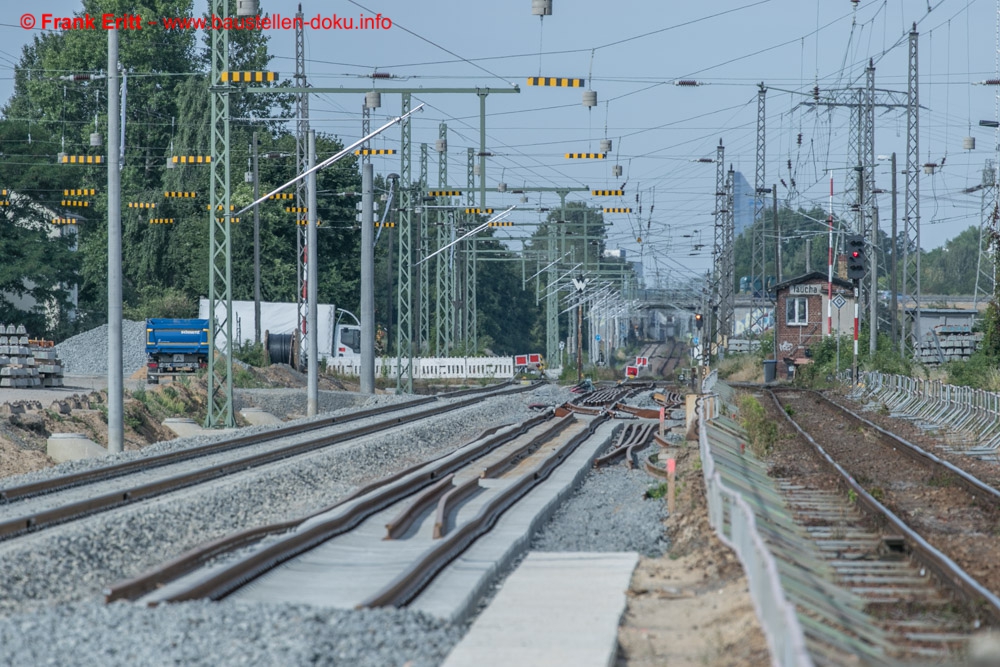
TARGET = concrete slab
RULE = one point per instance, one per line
(259, 417)
(72, 446)
(183, 426)
(555, 609)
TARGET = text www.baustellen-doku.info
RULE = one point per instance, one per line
(47, 21)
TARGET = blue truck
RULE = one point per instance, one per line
(175, 347)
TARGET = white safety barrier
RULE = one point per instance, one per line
(974, 413)
(432, 368)
(734, 522)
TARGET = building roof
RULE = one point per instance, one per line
(810, 277)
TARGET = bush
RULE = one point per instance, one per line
(253, 354)
(154, 301)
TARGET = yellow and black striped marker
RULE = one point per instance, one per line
(161, 221)
(230, 219)
(63, 221)
(502, 223)
(80, 203)
(478, 211)
(180, 195)
(585, 156)
(305, 223)
(296, 209)
(219, 207)
(82, 159)
(375, 151)
(626, 209)
(192, 159)
(444, 193)
(282, 195)
(3, 193)
(607, 193)
(248, 77)
(85, 192)
(4, 202)
(561, 82)
(385, 224)
(141, 204)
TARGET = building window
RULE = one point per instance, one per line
(797, 311)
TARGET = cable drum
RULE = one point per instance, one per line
(279, 348)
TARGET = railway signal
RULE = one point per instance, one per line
(855, 257)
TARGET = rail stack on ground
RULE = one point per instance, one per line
(27, 363)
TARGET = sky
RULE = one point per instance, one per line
(632, 54)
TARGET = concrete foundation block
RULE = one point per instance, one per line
(259, 416)
(183, 426)
(72, 446)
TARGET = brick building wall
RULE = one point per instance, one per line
(802, 323)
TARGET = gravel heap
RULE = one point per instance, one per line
(283, 402)
(87, 353)
(609, 512)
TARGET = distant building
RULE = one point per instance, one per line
(801, 316)
(742, 203)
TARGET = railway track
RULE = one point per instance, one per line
(916, 547)
(388, 540)
(31, 507)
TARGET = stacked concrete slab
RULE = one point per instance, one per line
(25, 363)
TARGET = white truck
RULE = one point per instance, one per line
(337, 337)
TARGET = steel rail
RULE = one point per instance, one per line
(640, 439)
(507, 462)
(449, 502)
(129, 494)
(372, 498)
(399, 524)
(410, 582)
(971, 484)
(42, 487)
(944, 569)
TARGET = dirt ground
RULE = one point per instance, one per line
(691, 607)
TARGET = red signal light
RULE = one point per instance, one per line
(855, 254)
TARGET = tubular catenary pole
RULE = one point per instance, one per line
(312, 289)
(367, 280)
(116, 428)
(829, 265)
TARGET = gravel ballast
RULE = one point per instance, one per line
(87, 353)
(50, 612)
(609, 512)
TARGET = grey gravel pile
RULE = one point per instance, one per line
(281, 402)
(227, 633)
(87, 353)
(609, 512)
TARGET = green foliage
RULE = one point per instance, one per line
(160, 302)
(761, 430)
(658, 491)
(254, 354)
(979, 371)
(243, 378)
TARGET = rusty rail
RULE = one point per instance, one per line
(42, 487)
(944, 569)
(496, 468)
(408, 515)
(410, 582)
(448, 503)
(130, 494)
(377, 496)
(915, 452)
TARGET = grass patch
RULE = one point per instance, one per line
(658, 491)
(761, 430)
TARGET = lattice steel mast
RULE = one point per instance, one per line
(911, 220)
